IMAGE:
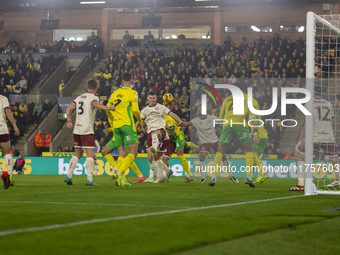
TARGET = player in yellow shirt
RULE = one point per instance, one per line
(260, 140)
(177, 137)
(125, 101)
(236, 125)
(111, 146)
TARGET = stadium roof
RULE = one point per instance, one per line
(37, 5)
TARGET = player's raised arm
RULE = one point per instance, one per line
(69, 110)
(11, 119)
(178, 119)
(136, 112)
(103, 107)
(109, 114)
(186, 124)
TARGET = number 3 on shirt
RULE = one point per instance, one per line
(80, 108)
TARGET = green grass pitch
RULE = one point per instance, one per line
(165, 218)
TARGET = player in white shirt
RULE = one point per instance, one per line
(5, 144)
(83, 134)
(204, 124)
(323, 139)
(96, 150)
(153, 117)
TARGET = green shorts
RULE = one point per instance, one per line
(112, 145)
(125, 135)
(260, 145)
(179, 141)
(228, 133)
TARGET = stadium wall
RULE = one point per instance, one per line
(217, 19)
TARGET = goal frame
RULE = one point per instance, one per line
(312, 19)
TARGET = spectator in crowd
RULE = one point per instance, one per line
(64, 47)
(67, 149)
(47, 138)
(97, 132)
(14, 151)
(98, 73)
(12, 43)
(149, 36)
(46, 46)
(39, 142)
(6, 92)
(15, 111)
(132, 41)
(37, 111)
(17, 89)
(100, 114)
(59, 149)
(46, 108)
(27, 115)
(126, 36)
(12, 136)
(289, 155)
(46, 64)
(239, 150)
(30, 106)
(55, 62)
(107, 75)
(105, 90)
(279, 154)
(177, 111)
(61, 85)
(23, 83)
(21, 123)
(22, 106)
(19, 164)
(184, 99)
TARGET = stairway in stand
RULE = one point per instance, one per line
(20, 144)
(82, 85)
(78, 91)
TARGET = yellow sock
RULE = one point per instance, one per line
(135, 168)
(185, 164)
(111, 160)
(119, 161)
(126, 163)
(191, 146)
(249, 163)
(258, 163)
(217, 162)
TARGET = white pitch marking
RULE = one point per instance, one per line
(97, 204)
(85, 222)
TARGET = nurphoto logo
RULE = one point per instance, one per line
(238, 105)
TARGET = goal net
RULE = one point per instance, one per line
(322, 74)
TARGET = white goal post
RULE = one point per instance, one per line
(318, 27)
